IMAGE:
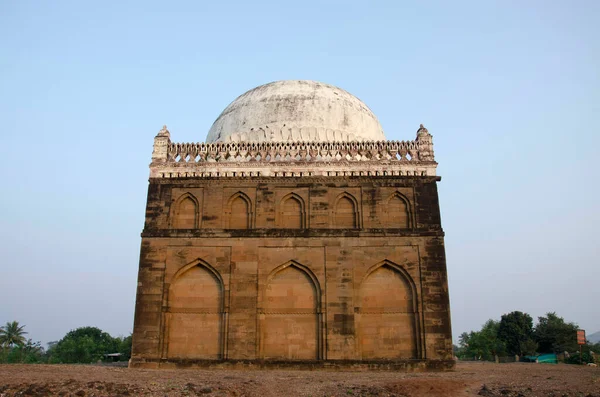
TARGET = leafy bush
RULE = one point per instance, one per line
(586, 357)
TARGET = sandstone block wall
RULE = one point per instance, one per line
(292, 269)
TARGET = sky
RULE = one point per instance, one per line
(510, 91)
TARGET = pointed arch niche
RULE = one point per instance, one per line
(345, 213)
(292, 212)
(397, 213)
(186, 212)
(388, 318)
(196, 313)
(238, 212)
(290, 315)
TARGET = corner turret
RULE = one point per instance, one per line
(425, 142)
(161, 145)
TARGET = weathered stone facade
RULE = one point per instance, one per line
(294, 253)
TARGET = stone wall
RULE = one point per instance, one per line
(292, 270)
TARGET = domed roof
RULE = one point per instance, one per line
(296, 110)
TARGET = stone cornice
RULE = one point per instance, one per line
(298, 169)
(292, 159)
(376, 180)
(291, 233)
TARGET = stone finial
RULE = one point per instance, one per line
(164, 132)
(422, 130)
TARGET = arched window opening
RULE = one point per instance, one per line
(292, 213)
(397, 214)
(240, 212)
(186, 213)
(346, 215)
(387, 325)
(195, 313)
(290, 329)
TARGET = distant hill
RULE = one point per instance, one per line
(594, 338)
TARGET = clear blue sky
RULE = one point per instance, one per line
(510, 91)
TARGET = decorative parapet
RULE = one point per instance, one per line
(221, 159)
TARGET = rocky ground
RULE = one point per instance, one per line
(469, 379)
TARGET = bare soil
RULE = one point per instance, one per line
(469, 379)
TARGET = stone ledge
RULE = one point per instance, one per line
(305, 179)
(291, 233)
(292, 170)
(408, 365)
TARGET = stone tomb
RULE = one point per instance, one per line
(271, 252)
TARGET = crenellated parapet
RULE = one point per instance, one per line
(298, 158)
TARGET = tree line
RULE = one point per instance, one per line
(515, 334)
(82, 345)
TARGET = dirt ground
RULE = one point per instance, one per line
(469, 379)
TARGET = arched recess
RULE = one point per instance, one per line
(292, 212)
(290, 315)
(196, 315)
(388, 316)
(239, 212)
(186, 212)
(397, 213)
(346, 214)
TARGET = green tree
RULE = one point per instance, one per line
(83, 345)
(483, 344)
(516, 331)
(528, 347)
(554, 335)
(125, 348)
(12, 334)
(32, 352)
(28, 352)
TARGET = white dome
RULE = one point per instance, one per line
(296, 110)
